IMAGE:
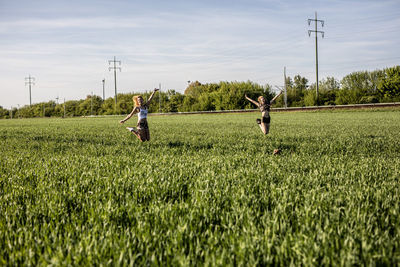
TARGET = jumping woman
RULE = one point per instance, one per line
(142, 132)
(264, 107)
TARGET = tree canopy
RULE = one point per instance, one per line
(354, 88)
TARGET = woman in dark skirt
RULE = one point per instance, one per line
(264, 107)
(142, 131)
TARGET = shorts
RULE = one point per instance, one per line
(142, 124)
(266, 119)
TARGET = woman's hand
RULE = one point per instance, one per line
(121, 121)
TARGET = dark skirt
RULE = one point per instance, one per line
(142, 124)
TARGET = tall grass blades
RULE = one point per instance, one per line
(206, 190)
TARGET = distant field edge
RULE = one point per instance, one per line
(309, 108)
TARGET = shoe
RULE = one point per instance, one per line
(131, 129)
(277, 151)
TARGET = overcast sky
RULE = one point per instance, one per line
(66, 45)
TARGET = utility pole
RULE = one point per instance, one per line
(115, 75)
(91, 105)
(285, 87)
(57, 99)
(159, 98)
(64, 107)
(30, 80)
(104, 94)
(316, 45)
(11, 112)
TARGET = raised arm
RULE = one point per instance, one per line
(273, 99)
(151, 96)
(134, 111)
(251, 100)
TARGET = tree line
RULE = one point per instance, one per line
(360, 87)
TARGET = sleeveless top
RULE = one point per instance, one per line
(264, 107)
(142, 113)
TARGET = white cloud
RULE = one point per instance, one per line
(207, 41)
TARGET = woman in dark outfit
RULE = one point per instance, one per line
(264, 108)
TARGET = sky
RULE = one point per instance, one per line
(66, 45)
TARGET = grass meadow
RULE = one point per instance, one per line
(206, 190)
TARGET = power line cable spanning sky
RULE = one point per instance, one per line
(66, 45)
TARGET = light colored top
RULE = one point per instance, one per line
(142, 113)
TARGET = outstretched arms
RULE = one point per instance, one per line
(151, 96)
(273, 99)
(251, 100)
(134, 111)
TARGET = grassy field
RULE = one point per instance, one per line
(206, 190)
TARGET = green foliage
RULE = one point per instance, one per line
(296, 90)
(328, 89)
(389, 84)
(72, 108)
(194, 89)
(359, 88)
(108, 106)
(206, 190)
(188, 104)
(310, 97)
(3, 113)
(90, 106)
(222, 96)
(174, 102)
(355, 88)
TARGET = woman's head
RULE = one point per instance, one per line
(138, 100)
(261, 99)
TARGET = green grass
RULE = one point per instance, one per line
(206, 190)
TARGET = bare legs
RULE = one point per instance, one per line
(263, 126)
(141, 134)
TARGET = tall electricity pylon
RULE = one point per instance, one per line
(115, 75)
(316, 45)
(31, 81)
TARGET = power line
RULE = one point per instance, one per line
(31, 81)
(115, 75)
(316, 44)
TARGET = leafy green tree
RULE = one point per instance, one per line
(175, 101)
(3, 113)
(310, 97)
(72, 108)
(205, 102)
(328, 89)
(296, 90)
(359, 87)
(90, 106)
(108, 106)
(125, 103)
(194, 89)
(389, 84)
(187, 104)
